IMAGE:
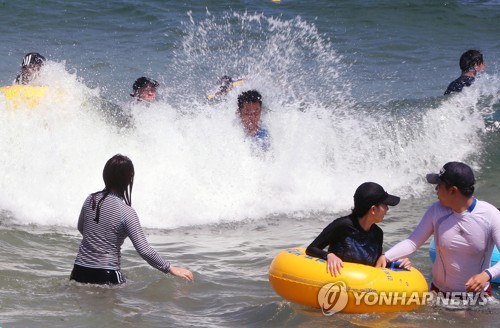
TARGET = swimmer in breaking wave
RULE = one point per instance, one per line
(226, 84)
(471, 64)
(30, 67)
(249, 112)
(144, 89)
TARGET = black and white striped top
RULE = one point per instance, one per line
(101, 243)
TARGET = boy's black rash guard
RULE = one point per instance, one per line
(459, 84)
(347, 240)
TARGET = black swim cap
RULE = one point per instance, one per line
(143, 82)
(33, 58)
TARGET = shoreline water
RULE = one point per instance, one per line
(230, 262)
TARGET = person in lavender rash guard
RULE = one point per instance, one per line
(465, 231)
(106, 219)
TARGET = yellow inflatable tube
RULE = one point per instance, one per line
(19, 96)
(299, 278)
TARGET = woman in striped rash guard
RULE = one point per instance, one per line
(106, 219)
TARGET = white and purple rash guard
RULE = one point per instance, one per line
(464, 243)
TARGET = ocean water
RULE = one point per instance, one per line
(352, 92)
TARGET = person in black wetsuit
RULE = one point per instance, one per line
(356, 237)
(471, 63)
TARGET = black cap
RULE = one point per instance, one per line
(454, 174)
(33, 58)
(142, 82)
(371, 193)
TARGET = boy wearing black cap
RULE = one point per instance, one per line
(465, 230)
(356, 237)
(30, 66)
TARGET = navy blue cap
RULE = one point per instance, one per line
(454, 174)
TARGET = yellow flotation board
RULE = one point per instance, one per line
(300, 279)
(23, 96)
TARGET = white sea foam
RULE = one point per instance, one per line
(193, 163)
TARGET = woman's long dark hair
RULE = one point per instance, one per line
(118, 175)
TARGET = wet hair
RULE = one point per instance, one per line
(32, 58)
(359, 212)
(118, 174)
(143, 82)
(469, 59)
(361, 208)
(250, 96)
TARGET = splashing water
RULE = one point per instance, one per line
(193, 164)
